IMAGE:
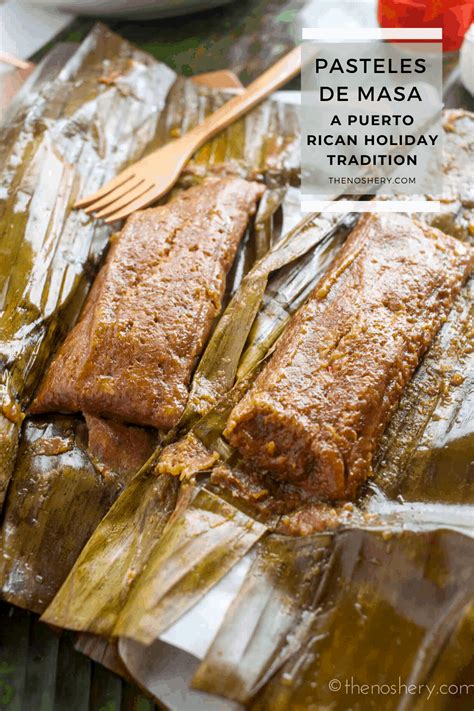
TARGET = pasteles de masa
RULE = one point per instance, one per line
(316, 411)
(151, 308)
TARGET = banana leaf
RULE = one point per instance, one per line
(318, 236)
(375, 609)
(427, 453)
(255, 317)
(110, 104)
(46, 72)
(265, 143)
(282, 583)
(77, 132)
(426, 456)
(202, 542)
(98, 595)
(274, 621)
(50, 253)
(172, 111)
(42, 535)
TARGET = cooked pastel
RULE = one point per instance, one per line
(315, 413)
(151, 309)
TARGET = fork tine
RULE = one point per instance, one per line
(114, 195)
(115, 207)
(116, 182)
(142, 201)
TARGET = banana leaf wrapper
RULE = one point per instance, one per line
(294, 275)
(10, 417)
(110, 104)
(202, 541)
(266, 653)
(379, 609)
(185, 104)
(30, 575)
(50, 255)
(150, 506)
(42, 534)
(203, 538)
(276, 597)
(213, 393)
(76, 132)
(347, 547)
(427, 452)
(423, 482)
(254, 319)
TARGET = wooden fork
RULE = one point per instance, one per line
(149, 179)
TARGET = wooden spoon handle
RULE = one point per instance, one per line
(282, 71)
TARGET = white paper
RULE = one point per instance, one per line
(166, 672)
(25, 29)
(166, 667)
(196, 629)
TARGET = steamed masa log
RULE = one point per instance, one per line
(151, 309)
(316, 411)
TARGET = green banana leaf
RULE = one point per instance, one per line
(10, 417)
(121, 551)
(232, 332)
(265, 624)
(426, 455)
(201, 543)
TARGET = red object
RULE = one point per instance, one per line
(454, 16)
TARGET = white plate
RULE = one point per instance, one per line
(25, 29)
(130, 8)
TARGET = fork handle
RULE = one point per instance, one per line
(282, 71)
